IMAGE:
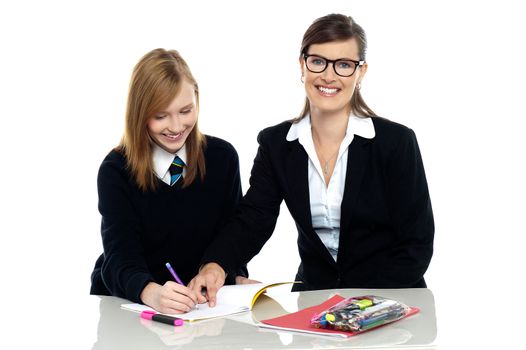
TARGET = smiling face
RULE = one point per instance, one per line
(170, 128)
(329, 93)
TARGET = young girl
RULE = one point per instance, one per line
(164, 192)
(353, 182)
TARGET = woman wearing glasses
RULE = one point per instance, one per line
(353, 182)
(164, 192)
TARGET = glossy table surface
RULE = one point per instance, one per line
(121, 329)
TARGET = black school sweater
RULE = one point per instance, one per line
(142, 231)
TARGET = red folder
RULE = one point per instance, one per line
(300, 321)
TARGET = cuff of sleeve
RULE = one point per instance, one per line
(135, 286)
(242, 271)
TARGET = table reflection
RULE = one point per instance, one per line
(122, 329)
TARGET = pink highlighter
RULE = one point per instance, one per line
(152, 315)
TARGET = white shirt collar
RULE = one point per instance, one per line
(363, 127)
(302, 131)
(162, 159)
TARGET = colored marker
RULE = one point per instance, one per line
(177, 279)
(152, 315)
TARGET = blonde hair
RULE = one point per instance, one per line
(155, 82)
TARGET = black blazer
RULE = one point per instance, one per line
(386, 227)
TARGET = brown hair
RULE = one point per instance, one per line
(155, 82)
(337, 27)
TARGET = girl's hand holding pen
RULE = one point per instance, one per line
(171, 298)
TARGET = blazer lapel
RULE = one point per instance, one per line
(357, 163)
(297, 179)
(299, 203)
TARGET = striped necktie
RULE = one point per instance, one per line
(176, 170)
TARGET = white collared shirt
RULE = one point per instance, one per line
(162, 161)
(325, 201)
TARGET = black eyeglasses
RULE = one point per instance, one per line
(343, 67)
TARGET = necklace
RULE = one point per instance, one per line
(327, 162)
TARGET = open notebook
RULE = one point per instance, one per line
(230, 300)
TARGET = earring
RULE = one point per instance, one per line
(302, 78)
(359, 86)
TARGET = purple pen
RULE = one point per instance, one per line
(177, 279)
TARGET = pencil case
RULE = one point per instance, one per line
(360, 314)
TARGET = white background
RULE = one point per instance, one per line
(453, 71)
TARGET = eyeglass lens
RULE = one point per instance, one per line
(341, 67)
